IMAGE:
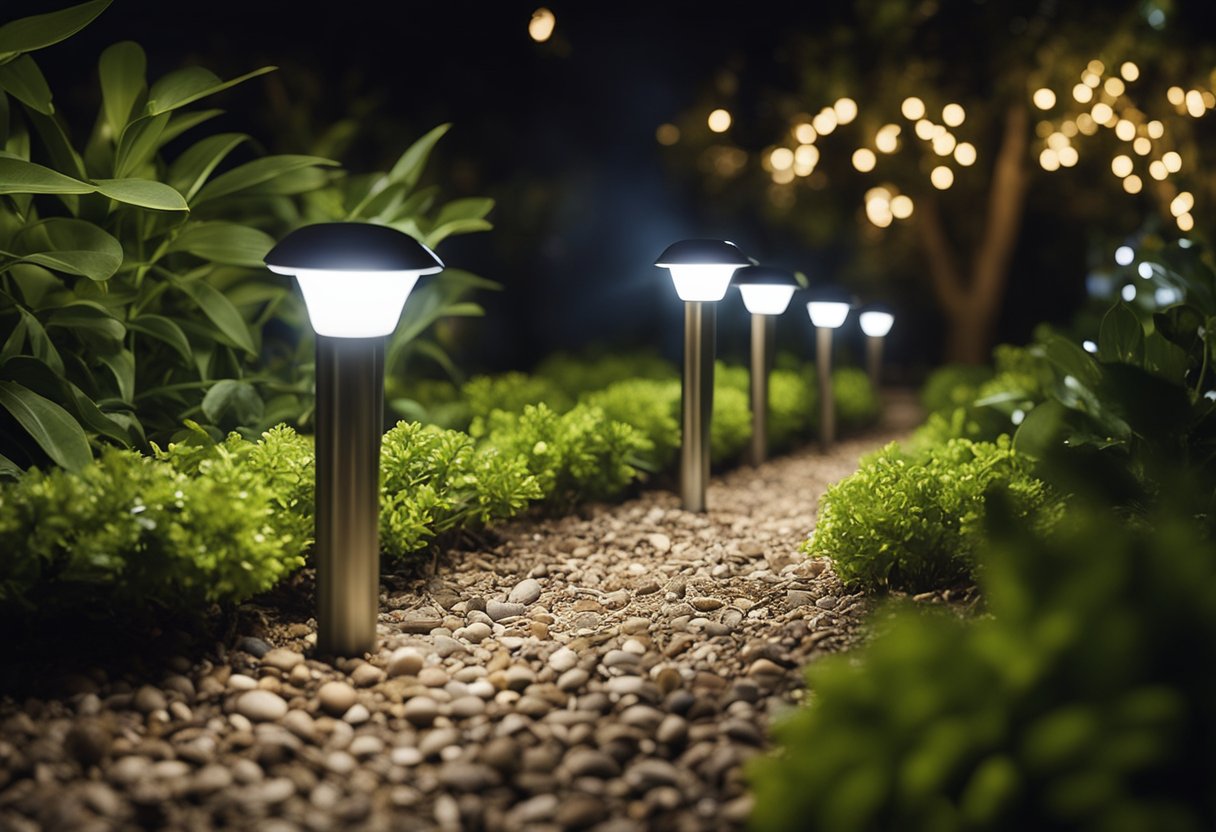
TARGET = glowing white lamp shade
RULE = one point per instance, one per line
(701, 269)
(876, 323)
(355, 277)
(766, 290)
(827, 314)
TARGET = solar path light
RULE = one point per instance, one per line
(828, 308)
(701, 271)
(876, 321)
(766, 293)
(355, 279)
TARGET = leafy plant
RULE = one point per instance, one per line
(793, 407)
(576, 456)
(916, 521)
(1084, 701)
(953, 385)
(587, 373)
(857, 403)
(652, 407)
(510, 392)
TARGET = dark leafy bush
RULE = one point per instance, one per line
(510, 392)
(857, 402)
(1085, 701)
(915, 521)
(951, 386)
(793, 408)
(575, 456)
(580, 374)
(652, 407)
(435, 481)
(731, 426)
(131, 531)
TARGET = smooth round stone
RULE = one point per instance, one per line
(365, 745)
(519, 676)
(525, 592)
(261, 706)
(827, 602)
(477, 632)
(573, 679)
(273, 791)
(405, 756)
(635, 626)
(405, 661)
(534, 809)
(563, 659)
(336, 698)
(467, 777)
(467, 706)
(533, 706)
(482, 689)
(620, 658)
(366, 675)
(210, 779)
(437, 740)
(634, 646)
(340, 762)
(421, 711)
(648, 774)
(498, 610)
(300, 724)
(447, 646)
(706, 604)
(642, 716)
(148, 699)
(239, 681)
(256, 647)
(356, 715)
(765, 667)
(673, 730)
(433, 677)
(280, 658)
(590, 762)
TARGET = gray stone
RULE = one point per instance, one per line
(421, 711)
(645, 775)
(300, 724)
(525, 592)
(210, 779)
(563, 659)
(405, 661)
(498, 610)
(827, 602)
(467, 777)
(799, 597)
(261, 706)
(256, 647)
(590, 762)
(447, 646)
(477, 632)
(148, 699)
(464, 707)
(437, 740)
(573, 679)
(620, 658)
(336, 698)
(280, 658)
(673, 730)
(367, 675)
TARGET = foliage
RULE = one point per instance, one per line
(857, 403)
(652, 407)
(793, 407)
(731, 424)
(579, 374)
(1083, 702)
(915, 521)
(510, 392)
(575, 456)
(952, 386)
(204, 523)
(436, 481)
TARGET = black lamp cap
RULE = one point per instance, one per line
(830, 294)
(764, 276)
(702, 253)
(877, 307)
(352, 247)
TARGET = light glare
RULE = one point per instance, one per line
(827, 314)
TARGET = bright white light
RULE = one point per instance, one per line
(1128, 293)
(719, 120)
(846, 110)
(702, 282)
(1167, 296)
(354, 304)
(1018, 416)
(1145, 270)
(1089, 346)
(876, 324)
(1044, 98)
(1124, 255)
(827, 314)
(766, 299)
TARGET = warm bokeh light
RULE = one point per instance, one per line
(864, 159)
(943, 144)
(1069, 128)
(1114, 87)
(1082, 93)
(1185, 222)
(964, 154)
(783, 177)
(1090, 79)
(1049, 160)
(1121, 165)
(878, 192)
(805, 133)
(541, 26)
(1155, 129)
(901, 207)
(942, 177)
(1057, 140)
(1125, 130)
(1095, 67)
(1044, 98)
(806, 156)
(1129, 71)
(846, 110)
(719, 120)
(1086, 124)
(1102, 113)
(667, 134)
(953, 115)
(1068, 156)
(825, 122)
(887, 138)
(1176, 96)
(1182, 204)
(913, 108)
(782, 158)
(1132, 184)
(1194, 103)
(1172, 161)
(1142, 146)
(924, 129)
(1157, 170)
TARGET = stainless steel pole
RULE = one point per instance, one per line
(350, 404)
(827, 398)
(762, 337)
(874, 360)
(697, 404)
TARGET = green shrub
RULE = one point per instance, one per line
(575, 456)
(976, 424)
(510, 392)
(1085, 701)
(951, 386)
(793, 408)
(731, 426)
(434, 481)
(131, 531)
(652, 407)
(857, 402)
(915, 521)
(580, 374)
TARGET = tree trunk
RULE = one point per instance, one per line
(971, 302)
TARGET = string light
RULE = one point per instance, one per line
(901, 207)
(864, 159)
(924, 129)
(1155, 129)
(1102, 113)
(719, 121)
(805, 133)
(1121, 165)
(1057, 140)
(1096, 67)
(1082, 94)
(1044, 98)
(846, 110)
(540, 27)
(782, 158)
(953, 115)
(964, 154)
(1049, 160)
(1125, 130)
(1132, 184)
(1176, 96)
(1090, 79)
(825, 122)
(1182, 204)
(1086, 124)
(1142, 146)
(887, 138)
(1068, 156)
(1194, 103)
(1129, 71)
(1114, 86)
(1172, 161)
(1158, 170)
(667, 134)
(912, 108)
(941, 177)
(1185, 222)
(806, 156)
(943, 144)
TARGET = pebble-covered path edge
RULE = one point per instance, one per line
(610, 670)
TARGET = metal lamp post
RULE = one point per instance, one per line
(876, 322)
(766, 293)
(701, 271)
(828, 309)
(355, 279)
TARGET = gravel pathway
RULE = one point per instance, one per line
(611, 671)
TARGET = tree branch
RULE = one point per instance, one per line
(1006, 200)
(943, 266)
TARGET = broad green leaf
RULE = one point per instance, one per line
(34, 283)
(70, 246)
(121, 365)
(1121, 336)
(41, 346)
(20, 177)
(224, 242)
(233, 402)
(185, 86)
(142, 192)
(8, 469)
(1072, 360)
(459, 280)
(58, 147)
(181, 122)
(463, 310)
(190, 170)
(14, 343)
(418, 202)
(474, 208)
(1165, 359)
(220, 311)
(138, 144)
(165, 330)
(442, 232)
(46, 382)
(409, 167)
(254, 173)
(50, 426)
(23, 80)
(300, 181)
(5, 119)
(123, 69)
(30, 33)
(85, 318)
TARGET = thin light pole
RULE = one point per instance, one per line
(697, 402)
